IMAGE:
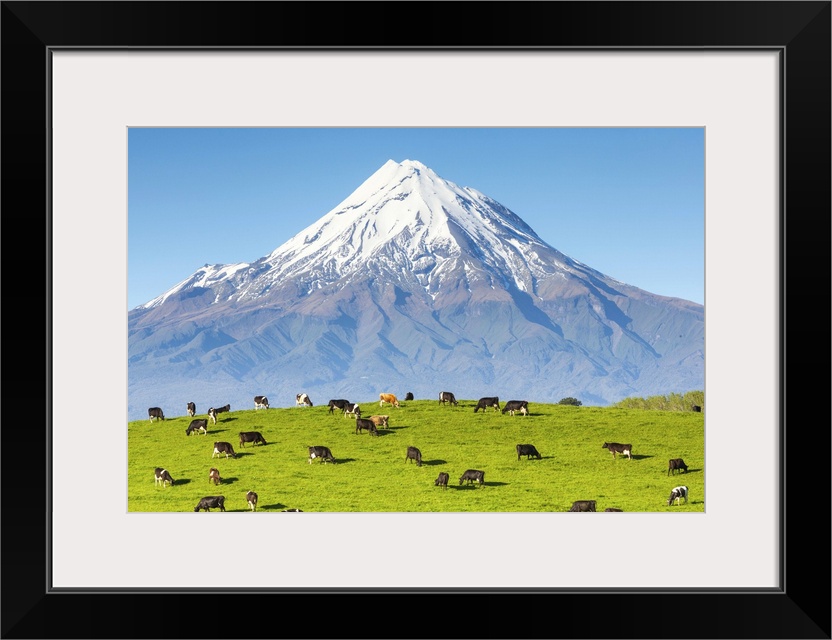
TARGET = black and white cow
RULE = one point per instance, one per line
(447, 396)
(155, 412)
(623, 449)
(337, 404)
(472, 475)
(163, 477)
(261, 402)
(414, 454)
(211, 502)
(527, 450)
(321, 452)
(408, 395)
(352, 409)
(676, 464)
(223, 448)
(513, 406)
(293, 511)
(442, 480)
(365, 424)
(191, 409)
(303, 400)
(212, 412)
(251, 498)
(255, 437)
(677, 494)
(200, 424)
(214, 476)
(583, 505)
(484, 403)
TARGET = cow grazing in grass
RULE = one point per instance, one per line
(337, 404)
(323, 453)
(677, 494)
(414, 454)
(163, 477)
(303, 400)
(155, 412)
(612, 510)
(223, 448)
(261, 402)
(211, 502)
(583, 506)
(527, 450)
(485, 403)
(191, 407)
(365, 424)
(676, 464)
(623, 449)
(214, 476)
(408, 396)
(389, 398)
(200, 424)
(251, 498)
(447, 397)
(352, 409)
(513, 406)
(254, 437)
(442, 480)
(472, 476)
(380, 421)
(293, 511)
(213, 412)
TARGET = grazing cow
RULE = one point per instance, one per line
(362, 424)
(255, 437)
(516, 405)
(472, 475)
(352, 409)
(677, 494)
(200, 424)
(414, 454)
(389, 398)
(623, 449)
(484, 403)
(223, 447)
(380, 421)
(583, 505)
(293, 511)
(442, 480)
(211, 502)
(303, 400)
(251, 498)
(212, 412)
(162, 476)
(320, 452)
(676, 464)
(191, 409)
(447, 396)
(261, 402)
(612, 510)
(697, 408)
(214, 476)
(155, 412)
(408, 396)
(337, 404)
(527, 450)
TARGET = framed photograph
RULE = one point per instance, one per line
(754, 75)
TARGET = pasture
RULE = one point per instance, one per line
(371, 473)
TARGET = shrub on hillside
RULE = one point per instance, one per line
(571, 401)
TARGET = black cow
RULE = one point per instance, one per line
(191, 409)
(200, 424)
(442, 480)
(408, 395)
(155, 412)
(677, 494)
(251, 498)
(352, 409)
(414, 454)
(527, 450)
(303, 400)
(320, 452)
(676, 464)
(623, 449)
(211, 502)
(163, 477)
(583, 505)
(697, 408)
(472, 475)
(261, 402)
(516, 405)
(214, 476)
(447, 396)
(362, 424)
(337, 404)
(254, 437)
(484, 403)
(612, 510)
(223, 447)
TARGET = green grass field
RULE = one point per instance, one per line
(370, 473)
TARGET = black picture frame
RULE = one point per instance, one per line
(800, 31)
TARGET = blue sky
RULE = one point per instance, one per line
(628, 202)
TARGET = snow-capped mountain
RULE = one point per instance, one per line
(412, 283)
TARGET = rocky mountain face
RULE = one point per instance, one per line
(412, 283)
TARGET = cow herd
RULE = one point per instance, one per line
(323, 454)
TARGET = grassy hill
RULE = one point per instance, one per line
(370, 473)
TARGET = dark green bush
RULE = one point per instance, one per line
(571, 401)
